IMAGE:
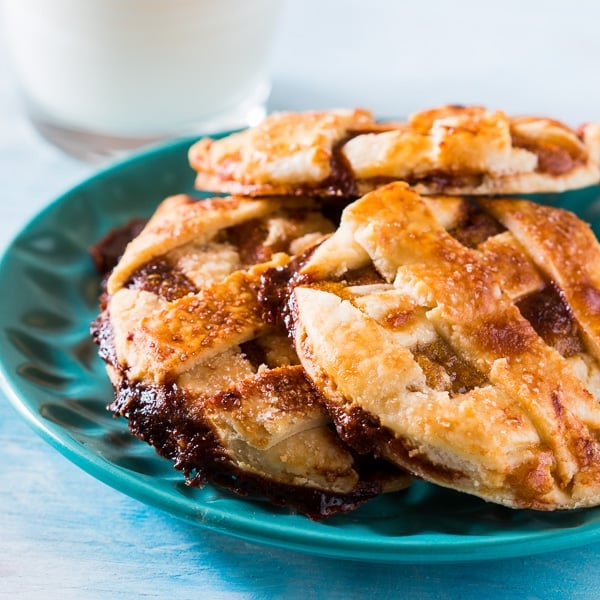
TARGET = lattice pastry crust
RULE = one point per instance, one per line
(450, 149)
(203, 378)
(460, 341)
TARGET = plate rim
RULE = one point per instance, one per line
(404, 549)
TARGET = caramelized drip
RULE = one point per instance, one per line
(364, 433)
(107, 251)
(161, 417)
(273, 293)
(102, 333)
(275, 286)
(343, 181)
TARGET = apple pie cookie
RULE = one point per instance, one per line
(450, 150)
(459, 340)
(203, 378)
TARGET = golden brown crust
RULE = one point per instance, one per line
(285, 154)
(450, 149)
(492, 403)
(179, 220)
(200, 374)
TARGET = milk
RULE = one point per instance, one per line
(141, 68)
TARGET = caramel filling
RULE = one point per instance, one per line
(249, 238)
(444, 370)
(552, 159)
(107, 251)
(476, 227)
(552, 319)
(160, 278)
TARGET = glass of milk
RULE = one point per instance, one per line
(103, 76)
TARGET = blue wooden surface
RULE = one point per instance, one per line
(63, 534)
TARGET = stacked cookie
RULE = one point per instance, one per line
(339, 326)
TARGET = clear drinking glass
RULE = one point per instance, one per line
(103, 76)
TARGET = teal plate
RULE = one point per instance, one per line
(54, 378)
